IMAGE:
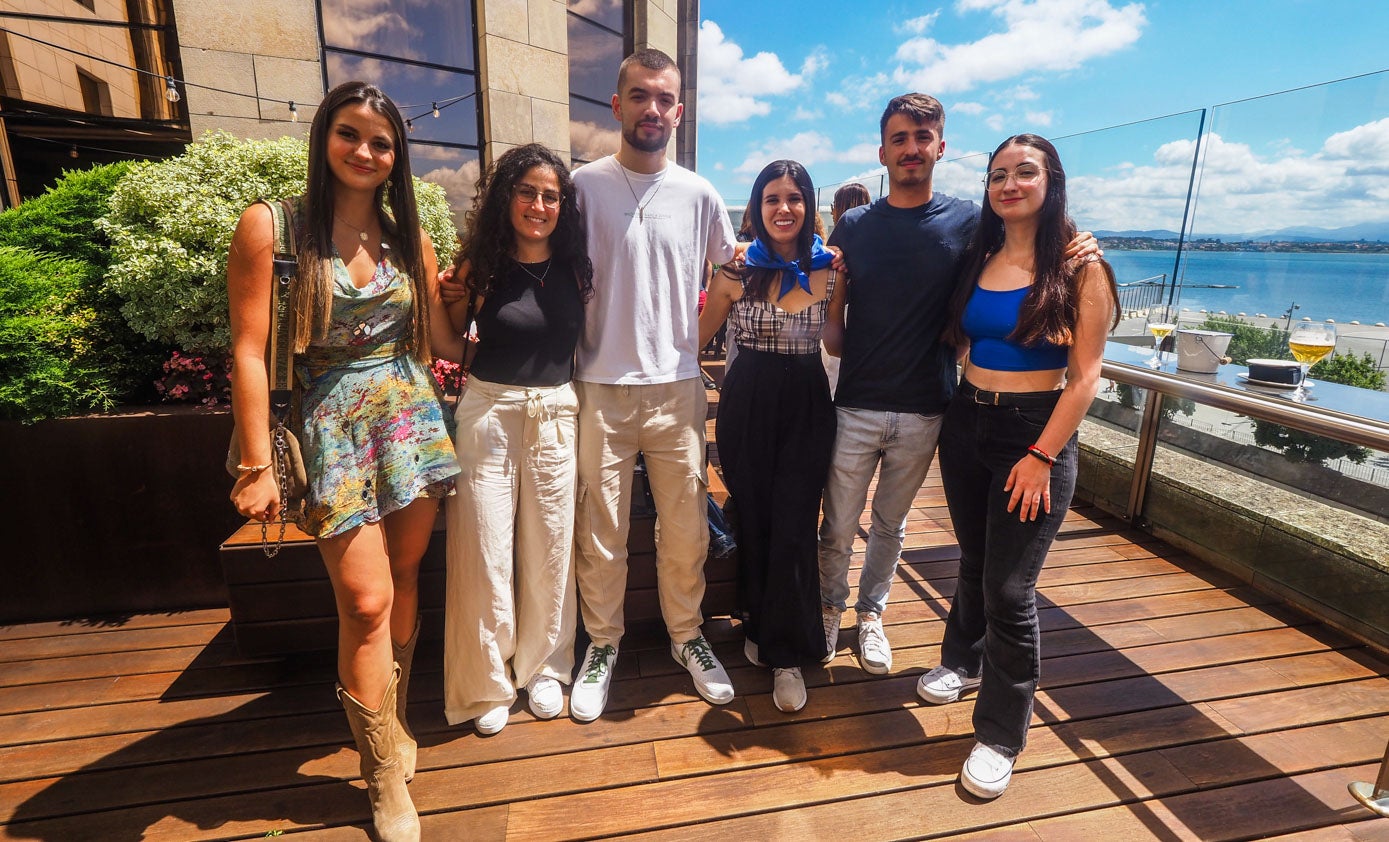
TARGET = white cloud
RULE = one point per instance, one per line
(803, 113)
(836, 98)
(1020, 93)
(995, 122)
(732, 87)
(591, 142)
(1036, 35)
(1038, 118)
(916, 26)
(817, 61)
(974, 108)
(809, 148)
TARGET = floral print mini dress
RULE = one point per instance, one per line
(374, 436)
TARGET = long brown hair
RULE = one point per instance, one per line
(1051, 307)
(759, 282)
(313, 293)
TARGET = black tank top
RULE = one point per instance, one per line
(527, 328)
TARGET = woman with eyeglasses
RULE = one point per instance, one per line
(510, 605)
(1031, 327)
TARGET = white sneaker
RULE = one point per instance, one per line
(492, 721)
(545, 697)
(750, 653)
(943, 685)
(831, 617)
(986, 773)
(788, 689)
(709, 676)
(874, 652)
(590, 693)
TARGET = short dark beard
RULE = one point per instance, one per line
(634, 141)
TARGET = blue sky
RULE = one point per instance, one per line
(808, 80)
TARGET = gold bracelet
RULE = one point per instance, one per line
(251, 469)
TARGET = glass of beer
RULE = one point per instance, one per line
(1161, 322)
(1310, 342)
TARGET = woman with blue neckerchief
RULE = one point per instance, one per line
(776, 422)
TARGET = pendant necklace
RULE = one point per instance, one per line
(361, 232)
(540, 279)
(641, 206)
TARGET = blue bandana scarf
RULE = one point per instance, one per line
(761, 257)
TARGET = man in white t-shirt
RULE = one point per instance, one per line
(652, 227)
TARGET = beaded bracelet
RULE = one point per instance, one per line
(1039, 453)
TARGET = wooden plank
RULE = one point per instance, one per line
(87, 625)
(131, 640)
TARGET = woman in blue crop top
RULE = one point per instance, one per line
(509, 613)
(1031, 328)
(776, 423)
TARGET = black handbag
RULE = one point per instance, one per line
(287, 461)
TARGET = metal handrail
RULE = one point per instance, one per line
(1354, 429)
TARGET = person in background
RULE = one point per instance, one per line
(367, 322)
(775, 425)
(846, 198)
(653, 228)
(509, 617)
(1031, 329)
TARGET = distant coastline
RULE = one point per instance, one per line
(1216, 244)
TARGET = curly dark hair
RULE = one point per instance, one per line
(490, 245)
(759, 282)
(1051, 308)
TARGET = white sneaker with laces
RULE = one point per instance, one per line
(943, 685)
(590, 693)
(545, 697)
(750, 653)
(986, 773)
(831, 617)
(788, 689)
(710, 678)
(492, 721)
(874, 652)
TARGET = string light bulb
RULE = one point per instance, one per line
(410, 126)
(434, 107)
(170, 91)
(72, 153)
(293, 112)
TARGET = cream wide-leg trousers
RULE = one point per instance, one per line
(509, 612)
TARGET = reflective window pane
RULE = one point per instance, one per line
(606, 12)
(436, 31)
(455, 170)
(594, 56)
(593, 132)
(414, 88)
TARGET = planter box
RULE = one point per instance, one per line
(118, 514)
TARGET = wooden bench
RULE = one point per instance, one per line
(284, 604)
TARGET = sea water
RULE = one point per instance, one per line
(1340, 286)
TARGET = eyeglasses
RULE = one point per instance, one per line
(1025, 174)
(525, 194)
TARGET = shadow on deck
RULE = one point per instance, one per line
(1175, 705)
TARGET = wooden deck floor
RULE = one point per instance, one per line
(1175, 705)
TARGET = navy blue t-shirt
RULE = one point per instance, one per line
(903, 266)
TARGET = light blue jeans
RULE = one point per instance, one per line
(899, 445)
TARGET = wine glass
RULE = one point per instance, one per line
(1161, 322)
(1310, 342)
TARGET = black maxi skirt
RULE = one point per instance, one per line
(775, 433)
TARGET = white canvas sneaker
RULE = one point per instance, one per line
(590, 693)
(874, 652)
(943, 685)
(492, 721)
(544, 696)
(710, 678)
(986, 773)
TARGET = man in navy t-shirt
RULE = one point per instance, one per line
(903, 253)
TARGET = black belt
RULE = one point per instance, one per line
(1025, 400)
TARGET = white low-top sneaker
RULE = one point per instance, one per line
(830, 616)
(493, 720)
(710, 678)
(788, 689)
(943, 685)
(590, 692)
(544, 696)
(987, 772)
(874, 652)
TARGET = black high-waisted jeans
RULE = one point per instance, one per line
(992, 628)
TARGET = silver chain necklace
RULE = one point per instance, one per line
(540, 279)
(641, 206)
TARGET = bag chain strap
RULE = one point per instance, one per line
(281, 460)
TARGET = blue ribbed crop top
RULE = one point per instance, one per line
(989, 318)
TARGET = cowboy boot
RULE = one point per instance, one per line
(404, 657)
(375, 731)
